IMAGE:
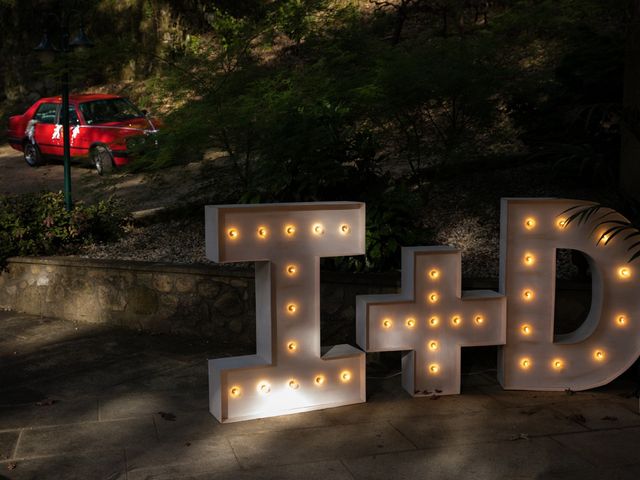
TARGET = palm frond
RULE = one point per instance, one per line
(584, 214)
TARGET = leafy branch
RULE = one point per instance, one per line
(614, 226)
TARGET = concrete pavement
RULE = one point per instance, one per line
(90, 402)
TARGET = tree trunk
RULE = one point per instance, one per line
(630, 148)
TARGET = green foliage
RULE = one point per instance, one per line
(610, 224)
(38, 224)
(325, 100)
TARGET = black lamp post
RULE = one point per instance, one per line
(79, 41)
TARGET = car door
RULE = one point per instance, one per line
(45, 129)
(74, 131)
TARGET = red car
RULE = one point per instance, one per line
(102, 128)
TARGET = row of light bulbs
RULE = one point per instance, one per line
(410, 322)
(620, 320)
(264, 387)
(561, 223)
(623, 272)
(558, 363)
(530, 223)
(289, 230)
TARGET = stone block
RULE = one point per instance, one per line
(238, 283)
(185, 284)
(87, 437)
(96, 465)
(611, 448)
(603, 414)
(145, 404)
(209, 289)
(55, 293)
(328, 470)
(111, 297)
(537, 458)
(141, 301)
(211, 454)
(8, 442)
(162, 283)
(229, 304)
(236, 326)
(508, 424)
(61, 412)
(311, 444)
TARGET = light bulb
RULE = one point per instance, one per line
(525, 363)
(233, 233)
(292, 346)
(345, 376)
(291, 308)
(530, 223)
(434, 273)
(344, 229)
(561, 223)
(433, 345)
(529, 259)
(318, 229)
(624, 272)
(526, 329)
(293, 385)
(386, 323)
(621, 320)
(557, 364)
(411, 322)
(527, 295)
(264, 388)
(598, 355)
(290, 230)
(479, 319)
(319, 380)
(456, 320)
(433, 297)
(292, 269)
(434, 368)
(263, 232)
(604, 238)
(433, 321)
(235, 391)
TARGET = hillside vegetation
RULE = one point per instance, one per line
(378, 101)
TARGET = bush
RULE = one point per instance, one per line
(38, 224)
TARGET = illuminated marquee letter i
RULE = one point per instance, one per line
(287, 374)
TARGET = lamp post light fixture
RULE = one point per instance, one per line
(65, 46)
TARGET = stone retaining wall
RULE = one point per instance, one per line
(214, 302)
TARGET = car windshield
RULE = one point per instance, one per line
(111, 110)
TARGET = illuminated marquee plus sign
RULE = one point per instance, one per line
(430, 319)
(288, 373)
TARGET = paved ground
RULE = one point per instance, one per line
(84, 402)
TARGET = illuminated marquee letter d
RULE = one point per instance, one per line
(288, 373)
(608, 341)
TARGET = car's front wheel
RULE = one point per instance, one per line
(32, 154)
(102, 159)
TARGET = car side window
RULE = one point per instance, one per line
(73, 116)
(46, 113)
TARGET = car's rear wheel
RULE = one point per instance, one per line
(102, 159)
(32, 154)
